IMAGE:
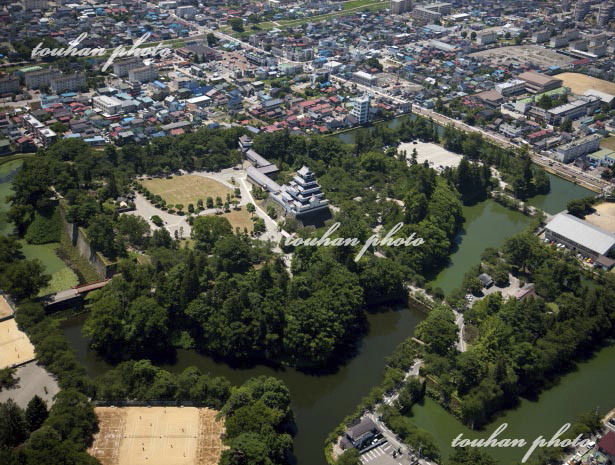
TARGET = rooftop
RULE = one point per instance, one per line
(582, 232)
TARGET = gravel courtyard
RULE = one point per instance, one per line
(433, 153)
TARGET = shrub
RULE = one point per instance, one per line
(157, 221)
(45, 228)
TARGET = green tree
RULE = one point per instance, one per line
(24, 278)
(36, 413)
(206, 230)
(438, 330)
(236, 24)
(349, 457)
(12, 425)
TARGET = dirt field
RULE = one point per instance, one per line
(5, 308)
(524, 54)
(604, 217)
(608, 143)
(186, 189)
(157, 436)
(15, 347)
(432, 153)
(241, 219)
(579, 83)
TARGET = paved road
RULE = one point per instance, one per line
(566, 171)
(460, 344)
(33, 380)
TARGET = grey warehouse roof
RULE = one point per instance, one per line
(582, 233)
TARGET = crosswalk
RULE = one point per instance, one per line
(377, 452)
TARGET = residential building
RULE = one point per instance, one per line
(606, 12)
(68, 83)
(577, 148)
(40, 132)
(581, 10)
(9, 84)
(34, 4)
(541, 36)
(108, 105)
(537, 82)
(579, 236)
(143, 74)
(400, 6)
(360, 109)
(486, 37)
(366, 79)
(122, 67)
(430, 13)
(41, 78)
(606, 445)
(186, 11)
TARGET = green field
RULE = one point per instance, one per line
(5, 190)
(62, 277)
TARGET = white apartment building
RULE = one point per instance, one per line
(121, 68)
(143, 74)
(41, 132)
(486, 37)
(400, 6)
(366, 79)
(187, 11)
(68, 83)
(41, 78)
(360, 109)
(108, 105)
(577, 148)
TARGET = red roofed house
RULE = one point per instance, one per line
(607, 446)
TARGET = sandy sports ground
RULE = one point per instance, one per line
(433, 153)
(157, 436)
(5, 308)
(608, 143)
(15, 347)
(186, 189)
(579, 83)
(604, 217)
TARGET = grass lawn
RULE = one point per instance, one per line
(62, 277)
(6, 168)
(12, 158)
(608, 143)
(187, 189)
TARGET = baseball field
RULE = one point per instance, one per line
(15, 347)
(157, 436)
(186, 189)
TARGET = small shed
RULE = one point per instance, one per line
(486, 280)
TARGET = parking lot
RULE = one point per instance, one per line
(382, 455)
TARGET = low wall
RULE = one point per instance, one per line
(78, 240)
